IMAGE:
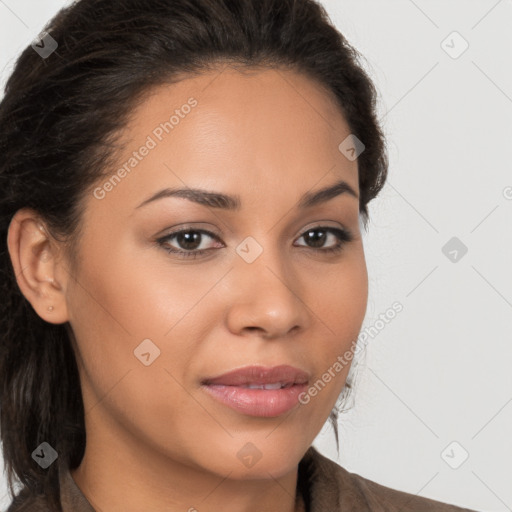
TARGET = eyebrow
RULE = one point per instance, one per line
(228, 202)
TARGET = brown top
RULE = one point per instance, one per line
(325, 486)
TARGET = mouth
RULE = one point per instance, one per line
(257, 390)
(274, 385)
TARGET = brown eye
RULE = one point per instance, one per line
(188, 242)
(317, 237)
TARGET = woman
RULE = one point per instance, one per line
(184, 188)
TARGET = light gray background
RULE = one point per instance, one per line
(441, 370)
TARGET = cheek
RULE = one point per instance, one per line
(115, 306)
(340, 297)
(138, 293)
(339, 303)
(123, 297)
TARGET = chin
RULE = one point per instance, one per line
(257, 457)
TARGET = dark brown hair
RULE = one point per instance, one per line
(58, 123)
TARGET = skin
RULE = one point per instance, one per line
(155, 439)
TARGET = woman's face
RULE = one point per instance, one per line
(152, 325)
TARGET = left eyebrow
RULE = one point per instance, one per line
(227, 202)
(324, 194)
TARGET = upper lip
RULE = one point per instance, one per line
(259, 375)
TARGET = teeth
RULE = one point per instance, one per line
(277, 385)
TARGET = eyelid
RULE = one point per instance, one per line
(322, 224)
(189, 227)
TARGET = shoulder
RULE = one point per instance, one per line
(332, 487)
(23, 502)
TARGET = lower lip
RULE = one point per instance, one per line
(266, 403)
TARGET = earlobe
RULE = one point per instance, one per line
(34, 257)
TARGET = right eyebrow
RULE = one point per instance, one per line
(204, 197)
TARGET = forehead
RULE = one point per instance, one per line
(235, 130)
(254, 99)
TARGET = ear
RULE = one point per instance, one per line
(35, 257)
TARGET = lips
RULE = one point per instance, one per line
(259, 376)
(258, 391)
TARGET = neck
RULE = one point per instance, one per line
(138, 479)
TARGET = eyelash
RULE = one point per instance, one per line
(343, 236)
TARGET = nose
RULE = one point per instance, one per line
(266, 297)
